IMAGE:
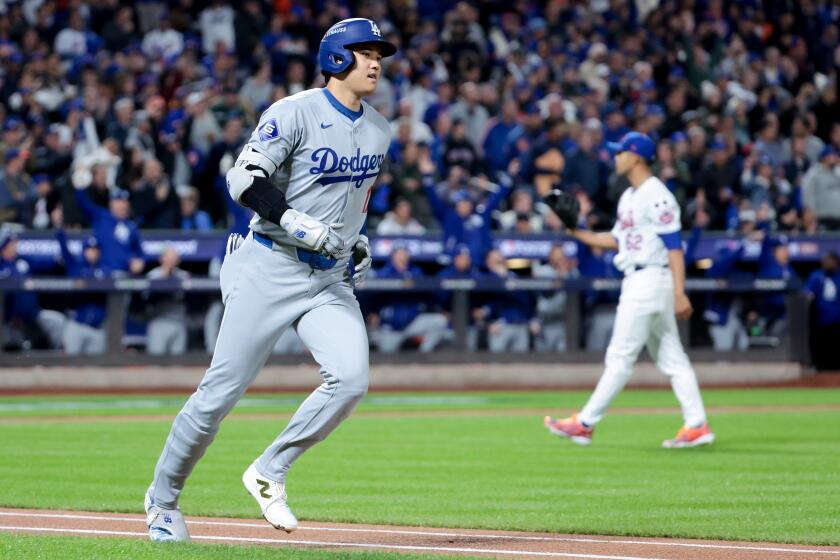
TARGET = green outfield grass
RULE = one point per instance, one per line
(771, 475)
(16, 546)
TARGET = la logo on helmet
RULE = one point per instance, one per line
(375, 29)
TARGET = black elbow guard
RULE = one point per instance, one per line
(264, 199)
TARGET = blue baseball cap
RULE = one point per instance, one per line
(828, 150)
(636, 142)
(12, 122)
(460, 195)
(119, 194)
(91, 243)
(717, 144)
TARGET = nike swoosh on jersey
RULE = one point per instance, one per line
(325, 126)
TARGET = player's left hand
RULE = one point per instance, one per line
(682, 306)
(361, 259)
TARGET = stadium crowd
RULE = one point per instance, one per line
(121, 117)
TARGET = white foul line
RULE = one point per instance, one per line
(441, 533)
(374, 546)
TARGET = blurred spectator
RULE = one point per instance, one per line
(821, 192)
(762, 183)
(673, 172)
(84, 332)
(163, 42)
(544, 163)
(222, 155)
(15, 189)
(72, 40)
(802, 130)
(52, 156)
(217, 31)
(551, 306)
(203, 128)
(116, 233)
(249, 25)
(722, 310)
(464, 223)
(718, 173)
(166, 332)
(459, 150)
(43, 202)
(585, 170)
(822, 287)
(509, 315)
(536, 218)
(773, 264)
(192, 219)
(768, 141)
(153, 200)
(405, 316)
(462, 268)
(120, 32)
(469, 111)
(27, 325)
(407, 183)
(399, 221)
(495, 141)
(257, 89)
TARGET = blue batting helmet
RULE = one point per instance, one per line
(335, 57)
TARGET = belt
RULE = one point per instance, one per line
(639, 267)
(315, 260)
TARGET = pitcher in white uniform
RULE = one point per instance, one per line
(646, 235)
(307, 172)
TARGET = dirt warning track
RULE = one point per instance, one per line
(472, 542)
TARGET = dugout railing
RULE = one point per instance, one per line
(793, 346)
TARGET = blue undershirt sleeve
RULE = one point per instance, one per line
(671, 240)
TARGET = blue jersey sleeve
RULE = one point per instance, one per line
(135, 245)
(671, 240)
(439, 207)
(93, 211)
(71, 264)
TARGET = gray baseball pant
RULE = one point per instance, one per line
(265, 292)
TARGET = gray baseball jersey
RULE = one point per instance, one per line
(326, 161)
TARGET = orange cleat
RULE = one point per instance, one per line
(571, 428)
(690, 437)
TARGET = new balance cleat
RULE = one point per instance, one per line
(271, 497)
(165, 525)
(690, 437)
(570, 428)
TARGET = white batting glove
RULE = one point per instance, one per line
(314, 234)
(361, 259)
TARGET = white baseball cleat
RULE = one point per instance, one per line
(271, 496)
(165, 525)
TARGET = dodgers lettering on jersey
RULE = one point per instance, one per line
(643, 214)
(361, 167)
(326, 162)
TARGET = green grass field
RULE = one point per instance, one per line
(773, 474)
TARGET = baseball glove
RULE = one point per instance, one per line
(566, 206)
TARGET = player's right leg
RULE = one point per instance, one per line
(263, 293)
(629, 335)
(630, 332)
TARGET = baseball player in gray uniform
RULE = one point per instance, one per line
(307, 172)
